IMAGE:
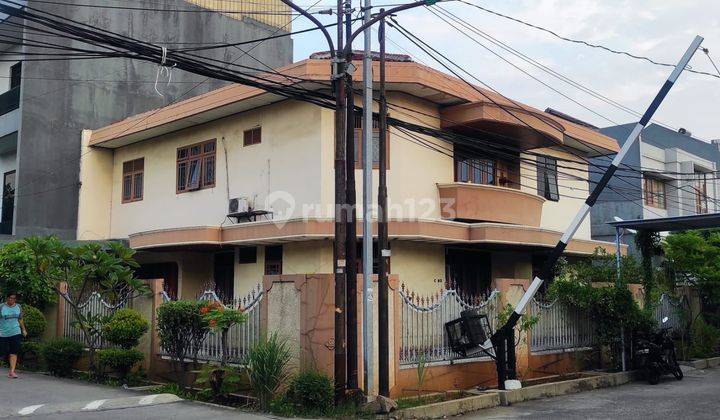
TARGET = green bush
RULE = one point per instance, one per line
(35, 322)
(181, 330)
(703, 339)
(30, 355)
(310, 393)
(61, 355)
(125, 328)
(120, 360)
(267, 364)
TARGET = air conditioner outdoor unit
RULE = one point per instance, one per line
(238, 205)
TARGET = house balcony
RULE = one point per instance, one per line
(489, 203)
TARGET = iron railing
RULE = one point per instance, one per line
(673, 310)
(94, 306)
(560, 328)
(423, 321)
(241, 337)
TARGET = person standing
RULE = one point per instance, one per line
(12, 330)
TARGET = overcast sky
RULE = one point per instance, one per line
(659, 29)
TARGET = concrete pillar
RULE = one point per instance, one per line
(511, 291)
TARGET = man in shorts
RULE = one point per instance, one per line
(12, 330)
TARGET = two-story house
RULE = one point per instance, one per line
(238, 183)
(667, 173)
(45, 102)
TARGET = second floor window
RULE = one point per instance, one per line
(701, 199)
(475, 170)
(252, 136)
(654, 191)
(196, 166)
(547, 178)
(15, 75)
(375, 144)
(132, 180)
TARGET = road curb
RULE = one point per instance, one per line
(703, 363)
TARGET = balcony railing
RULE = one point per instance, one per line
(10, 100)
(489, 203)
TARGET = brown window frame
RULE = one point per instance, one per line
(701, 198)
(133, 169)
(187, 156)
(358, 143)
(252, 136)
(654, 192)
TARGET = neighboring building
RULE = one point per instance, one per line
(234, 185)
(46, 104)
(676, 176)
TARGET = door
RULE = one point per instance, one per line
(224, 275)
(8, 203)
(167, 271)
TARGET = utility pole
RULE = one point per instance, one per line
(503, 339)
(351, 238)
(340, 261)
(384, 262)
(368, 334)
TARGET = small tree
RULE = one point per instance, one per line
(19, 273)
(181, 327)
(92, 268)
(695, 255)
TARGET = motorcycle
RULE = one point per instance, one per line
(655, 355)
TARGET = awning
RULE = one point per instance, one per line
(670, 224)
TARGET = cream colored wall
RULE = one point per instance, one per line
(572, 182)
(420, 266)
(308, 257)
(248, 276)
(288, 159)
(414, 170)
(96, 186)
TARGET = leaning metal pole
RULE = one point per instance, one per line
(506, 332)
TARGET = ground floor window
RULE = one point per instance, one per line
(273, 260)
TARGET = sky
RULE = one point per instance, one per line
(659, 29)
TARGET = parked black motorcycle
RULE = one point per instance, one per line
(655, 355)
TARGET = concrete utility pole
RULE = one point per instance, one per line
(340, 262)
(384, 262)
(368, 298)
(504, 339)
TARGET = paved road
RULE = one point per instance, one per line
(695, 397)
(45, 397)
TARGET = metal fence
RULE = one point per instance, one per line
(241, 337)
(95, 305)
(673, 310)
(559, 327)
(423, 322)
